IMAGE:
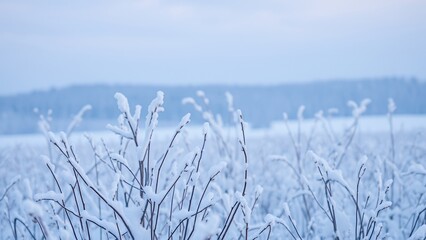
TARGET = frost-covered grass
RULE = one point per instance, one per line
(304, 179)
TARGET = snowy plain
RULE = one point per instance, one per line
(359, 177)
(368, 124)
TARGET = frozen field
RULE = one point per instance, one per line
(367, 124)
(349, 178)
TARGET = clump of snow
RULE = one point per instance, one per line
(192, 102)
(64, 138)
(391, 105)
(32, 208)
(53, 138)
(157, 103)
(331, 174)
(201, 94)
(46, 160)
(244, 206)
(206, 128)
(300, 112)
(258, 190)
(120, 131)
(119, 158)
(357, 110)
(78, 118)
(319, 115)
(51, 195)
(137, 114)
(185, 120)
(270, 219)
(217, 168)
(416, 168)
(230, 101)
(122, 103)
(285, 116)
(109, 226)
(286, 209)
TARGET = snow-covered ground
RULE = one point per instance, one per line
(351, 178)
(371, 124)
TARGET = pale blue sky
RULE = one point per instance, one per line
(53, 43)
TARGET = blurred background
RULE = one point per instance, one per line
(272, 55)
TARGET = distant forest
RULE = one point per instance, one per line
(260, 104)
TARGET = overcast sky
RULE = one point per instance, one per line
(52, 43)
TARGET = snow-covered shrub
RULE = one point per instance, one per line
(218, 181)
